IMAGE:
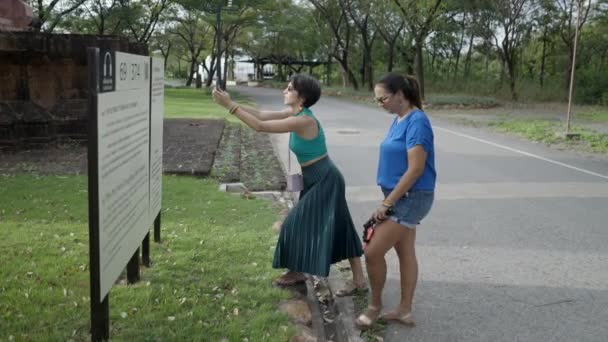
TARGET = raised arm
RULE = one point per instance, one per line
(263, 115)
(283, 124)
(266, 115)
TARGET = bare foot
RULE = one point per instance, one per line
(368, 317)
(351, 288)
(405, 318)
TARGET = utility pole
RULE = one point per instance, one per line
(569, 114)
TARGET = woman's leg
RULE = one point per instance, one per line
(357, 269)
(408, 267)
(358, 283)
(387, 234)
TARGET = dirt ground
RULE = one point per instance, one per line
(229, 153)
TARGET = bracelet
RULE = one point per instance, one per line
(387, 204)
(233, 109)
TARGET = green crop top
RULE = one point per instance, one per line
(308, 149)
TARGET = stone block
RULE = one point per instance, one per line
(49, 71)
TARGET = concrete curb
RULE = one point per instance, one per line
(315, 309)
(345, 310)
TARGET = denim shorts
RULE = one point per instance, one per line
(410, 209)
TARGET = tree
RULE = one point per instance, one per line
(194, 34)
(513, 26)
(545, 21)
(419, 17)
(390, 27)
(336, 17)
(573, 13)
(142, 16)
(49, 13)
(360, 14)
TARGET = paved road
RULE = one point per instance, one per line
(516, 246)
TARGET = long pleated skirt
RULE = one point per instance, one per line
(319, 230)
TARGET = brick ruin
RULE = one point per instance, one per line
(43, 86)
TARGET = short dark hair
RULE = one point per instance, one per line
(393, 82)
(307, 87)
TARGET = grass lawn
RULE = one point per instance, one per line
(197, 103)
(210, 278)
(595, 114)
(552, 133)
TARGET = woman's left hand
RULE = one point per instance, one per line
(222, 98)
(380, 214)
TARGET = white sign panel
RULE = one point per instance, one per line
(157, 97)
(123, 166)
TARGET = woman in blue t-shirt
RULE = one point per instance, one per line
(406, 176)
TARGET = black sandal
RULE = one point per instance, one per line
(289, 279)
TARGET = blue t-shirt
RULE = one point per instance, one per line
(414, 129)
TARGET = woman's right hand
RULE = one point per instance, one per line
(380, 213)
(222, 98)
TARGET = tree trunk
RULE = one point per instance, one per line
(391, 58)
(456, 63)
(210, 72)
(569, 69)
(362, 70)
(192, 71)
(225, 78)
(281, 73)
(408, 60)
(543, 58)
(328, 71)
(199, 80)
(432, 63)
(369, 69)
(420, 66)
(487, 74)
(370, 78)
(349, 78)
(511, 68)
(166, 59)
(502, 72)
(467, 61)
(459, 52)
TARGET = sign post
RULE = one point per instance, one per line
(125, 169)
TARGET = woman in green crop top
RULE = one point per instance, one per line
(319, 230)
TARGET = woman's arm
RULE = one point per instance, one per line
(416, 160)
(287, 124)
(266, 115)
(223, 98)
